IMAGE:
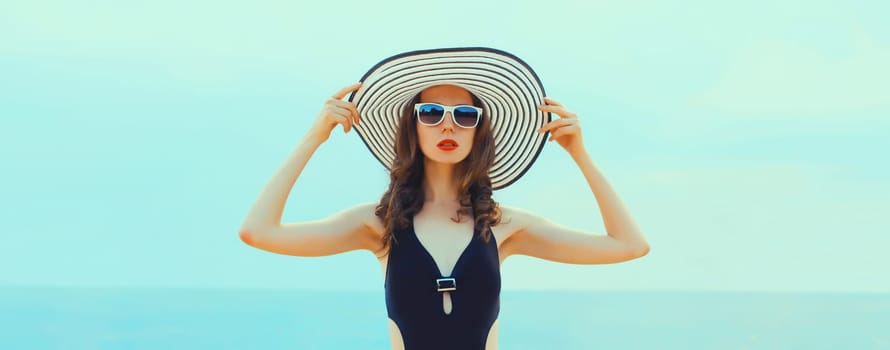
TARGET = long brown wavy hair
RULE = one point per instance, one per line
(405, 197)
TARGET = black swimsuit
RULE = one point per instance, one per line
(414, 288)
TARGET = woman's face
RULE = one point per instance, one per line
(431, 137)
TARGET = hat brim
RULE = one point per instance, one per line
(509, 89)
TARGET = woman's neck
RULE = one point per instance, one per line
(439, 185)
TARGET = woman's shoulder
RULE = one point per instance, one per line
(513, 218)
(366, 213)
(514, 213)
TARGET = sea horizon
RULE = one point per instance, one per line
(40, 317)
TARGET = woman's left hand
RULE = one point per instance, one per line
(566, 130)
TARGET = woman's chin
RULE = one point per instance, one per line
(451, 159)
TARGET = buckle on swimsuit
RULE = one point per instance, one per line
(446, 284)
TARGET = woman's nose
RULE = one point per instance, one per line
(448, 122)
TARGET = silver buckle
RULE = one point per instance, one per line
(446, 284)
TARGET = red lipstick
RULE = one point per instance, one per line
(447, 145)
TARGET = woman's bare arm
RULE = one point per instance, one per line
(547, 240)
(544, 239)
(344, 231)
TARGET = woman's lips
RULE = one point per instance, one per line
(447, 145)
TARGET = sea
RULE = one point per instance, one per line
(160, 318)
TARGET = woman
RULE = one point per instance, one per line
(452, 125)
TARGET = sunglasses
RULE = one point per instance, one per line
(432, 114)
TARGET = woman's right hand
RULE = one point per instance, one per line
(336, 111)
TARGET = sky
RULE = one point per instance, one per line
(747, 138)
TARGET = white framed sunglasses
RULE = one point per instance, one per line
(432, 114)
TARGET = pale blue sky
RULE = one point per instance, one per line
(748, 139)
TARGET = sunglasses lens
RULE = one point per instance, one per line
(430, 114)
(466, 116)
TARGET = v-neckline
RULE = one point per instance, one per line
(433, 259)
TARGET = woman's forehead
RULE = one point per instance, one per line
(446, 92)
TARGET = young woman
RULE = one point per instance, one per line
(452, 125)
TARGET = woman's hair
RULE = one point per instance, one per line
(405, 196)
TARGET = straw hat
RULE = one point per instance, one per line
(509, 89)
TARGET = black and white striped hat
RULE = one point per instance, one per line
(509, 89)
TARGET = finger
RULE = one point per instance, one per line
(558, 132)
(340, 119)
(338, 115)
(342, 93)
(562, 132)
(554, 125)
(552, 102)
(349, 106)
(559, 110)
(547, 126)
(344, 111)
(354, 112)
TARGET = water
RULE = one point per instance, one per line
(57, 318)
